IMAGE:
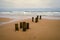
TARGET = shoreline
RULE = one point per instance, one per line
(9, 20)
(13, 20)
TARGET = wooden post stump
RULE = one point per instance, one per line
(40, 16)
(21, 25)
(37, 16)
(24, 26)
(32, 19)
(36, 20)
(27, 25)
(16, 27)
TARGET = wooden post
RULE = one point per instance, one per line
(16, 27)
(36, 20)
(24, 26)
(40, 16)
(27, 25)
(32, 19)
(21, 25)
(37, 16)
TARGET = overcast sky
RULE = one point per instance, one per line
(30, 3)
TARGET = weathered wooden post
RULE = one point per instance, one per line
(21, 24)
(32, 19)
(36, 20)
(40, 16)
(27, 24)
(24, 26)
(37, 16)
(16, 27)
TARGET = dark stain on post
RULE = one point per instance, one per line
(16, 27)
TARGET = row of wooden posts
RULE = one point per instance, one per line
(23, 26)
(36, 19)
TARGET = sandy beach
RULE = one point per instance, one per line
(43, 30)
(5, 19)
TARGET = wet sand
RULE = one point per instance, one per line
(5, 19)
(43, 30)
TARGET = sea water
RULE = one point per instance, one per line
(18, 15)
